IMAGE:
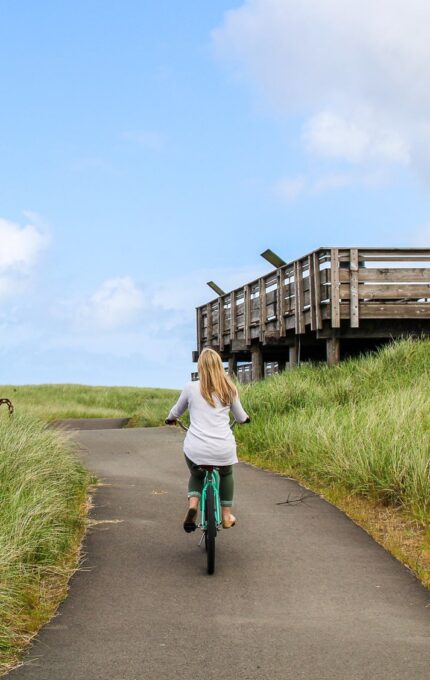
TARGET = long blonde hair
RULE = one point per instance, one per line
(213, 379)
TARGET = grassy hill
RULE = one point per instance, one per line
(360, 434)
(43, 494)
(51, 402)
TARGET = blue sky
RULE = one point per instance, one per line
(147, 147)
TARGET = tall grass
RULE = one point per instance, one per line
(144, 404)
(42, 514)
(363, 425)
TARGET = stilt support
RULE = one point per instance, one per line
(257, 363)
(232, 365)
(333, 350)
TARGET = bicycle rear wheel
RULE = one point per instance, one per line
(210, 533)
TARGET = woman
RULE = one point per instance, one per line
(209, 440)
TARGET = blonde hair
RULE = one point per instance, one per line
(213, 379)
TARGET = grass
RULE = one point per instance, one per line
(360, 434)
(145, 406)
(43, 496)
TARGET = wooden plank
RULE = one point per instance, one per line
(380, 275)
(334, 292)
(395, 258)
(353, 268)
(317, 290)
(387, 292)
(247, 313)
(232, 315)
(221, 320)
(281, 302)
(371, 310)
(299, 302)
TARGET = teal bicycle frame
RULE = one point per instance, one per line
(211, 479)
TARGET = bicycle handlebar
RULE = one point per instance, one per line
(185, 428)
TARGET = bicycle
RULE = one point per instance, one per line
(211, 515)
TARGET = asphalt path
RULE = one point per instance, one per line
(299, 590)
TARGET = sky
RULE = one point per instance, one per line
(149, 146)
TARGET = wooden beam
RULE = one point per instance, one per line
(232, 315)
(262, 302)
(199, 328)
(334, 292)
(232, 365)
(281, 301)
(333, 350)
(209, 326)
(293, 355)
(247, 313)
(353, 267)
(221, 320)
(298, 303)
(257, 362)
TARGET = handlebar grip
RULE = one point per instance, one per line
(169, 422)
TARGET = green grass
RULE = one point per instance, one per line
(363, 425)
(358, 434)
(43, 491)
(146, 406)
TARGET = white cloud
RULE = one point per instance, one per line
(332, 135)
(20, 248)
(289, 188)
(115, 304)
(358, 71)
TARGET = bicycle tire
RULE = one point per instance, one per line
(210, 533)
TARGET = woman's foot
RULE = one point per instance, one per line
(190, 518)
(228, 520)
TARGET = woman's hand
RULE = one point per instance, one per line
(170, 422)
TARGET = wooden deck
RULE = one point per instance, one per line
(328, 304)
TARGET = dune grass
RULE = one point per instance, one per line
(146, 406)
(358, 432)
(43, 492)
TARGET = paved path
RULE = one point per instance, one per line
(299, 591)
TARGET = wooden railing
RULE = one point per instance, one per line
(323, 288)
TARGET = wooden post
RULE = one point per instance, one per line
(257, 362)
(221, 312)
(262, 303)
(298, 299)
(232, 364)
(293, 355)
(317, 289)
(232, 316)
(209, 327)
(247, 313)
(335, 285)
(333, 350)
(353, 288)
(199, 329)
(281, 302)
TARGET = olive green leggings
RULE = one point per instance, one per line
(226, 484)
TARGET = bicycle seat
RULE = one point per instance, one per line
(209, 468)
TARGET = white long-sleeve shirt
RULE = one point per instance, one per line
(209, 440)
